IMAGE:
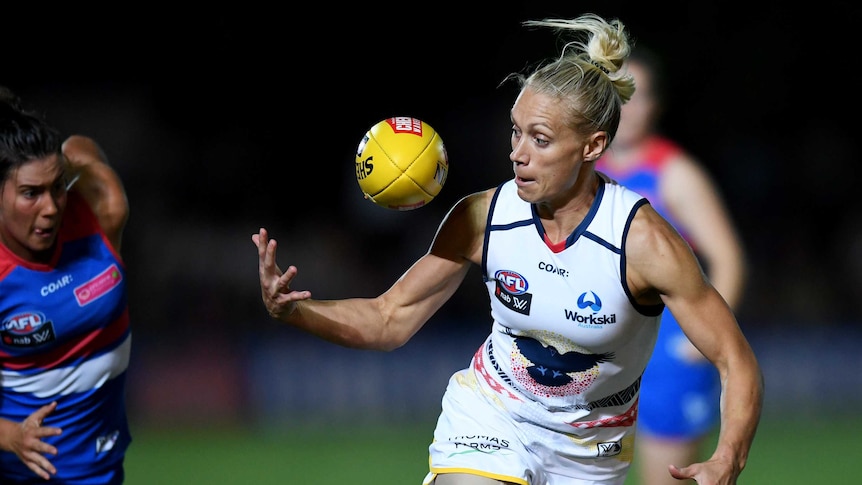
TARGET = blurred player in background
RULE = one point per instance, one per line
(679, 402)
(64, 322)
(578, 270)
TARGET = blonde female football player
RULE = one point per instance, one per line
(551, 397)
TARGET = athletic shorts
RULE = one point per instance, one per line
(483, 432)
(679, 395)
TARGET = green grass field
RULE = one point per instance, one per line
(784, 453)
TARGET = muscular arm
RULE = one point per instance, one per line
(388, 321)
(662, 265)
(99, 184)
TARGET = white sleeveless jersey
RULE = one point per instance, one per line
(567, 340)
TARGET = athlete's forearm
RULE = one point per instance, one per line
(741, 405)
(355, 323)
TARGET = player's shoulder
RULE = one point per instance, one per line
(476, 200)
(650, 234)
(7, 264)
(462, 231)
(473, 208)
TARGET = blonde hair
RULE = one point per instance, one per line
(587, 76)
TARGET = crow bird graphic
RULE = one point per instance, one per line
(550, 367)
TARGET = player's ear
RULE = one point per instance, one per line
(595, 145)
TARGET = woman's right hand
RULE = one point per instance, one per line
(279, 299)
(25, 440)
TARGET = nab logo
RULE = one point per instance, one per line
(28, 329)
(595, 304)
(511, 290)
(513, 282)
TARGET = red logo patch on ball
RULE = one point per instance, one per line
(404, 124)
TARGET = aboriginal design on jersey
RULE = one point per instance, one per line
(574, 341)
(559, 368)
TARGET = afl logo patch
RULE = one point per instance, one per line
(513, 282)
(27, 329)
(511, 290)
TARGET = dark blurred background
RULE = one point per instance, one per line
(224, 120)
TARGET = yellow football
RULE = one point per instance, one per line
(401, 163)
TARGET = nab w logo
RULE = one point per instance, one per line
(27, 329)
(511, 290)
(43, 336)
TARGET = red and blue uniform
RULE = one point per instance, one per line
(679, 396)
(65, 336)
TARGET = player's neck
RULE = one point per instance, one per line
(561, 220)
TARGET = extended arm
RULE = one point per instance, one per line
(388, 321)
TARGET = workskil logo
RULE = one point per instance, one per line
(594, 303)
(590, 301)
(27, 329)
(511, 290)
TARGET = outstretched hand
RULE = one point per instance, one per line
(710, 472)
(279, 299)
(26, 442)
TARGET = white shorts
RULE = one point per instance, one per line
(491, 433)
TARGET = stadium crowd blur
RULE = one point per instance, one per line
(223, 122)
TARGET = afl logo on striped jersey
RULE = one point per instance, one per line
(26, 329)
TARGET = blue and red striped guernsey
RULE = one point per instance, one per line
(65, 336)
